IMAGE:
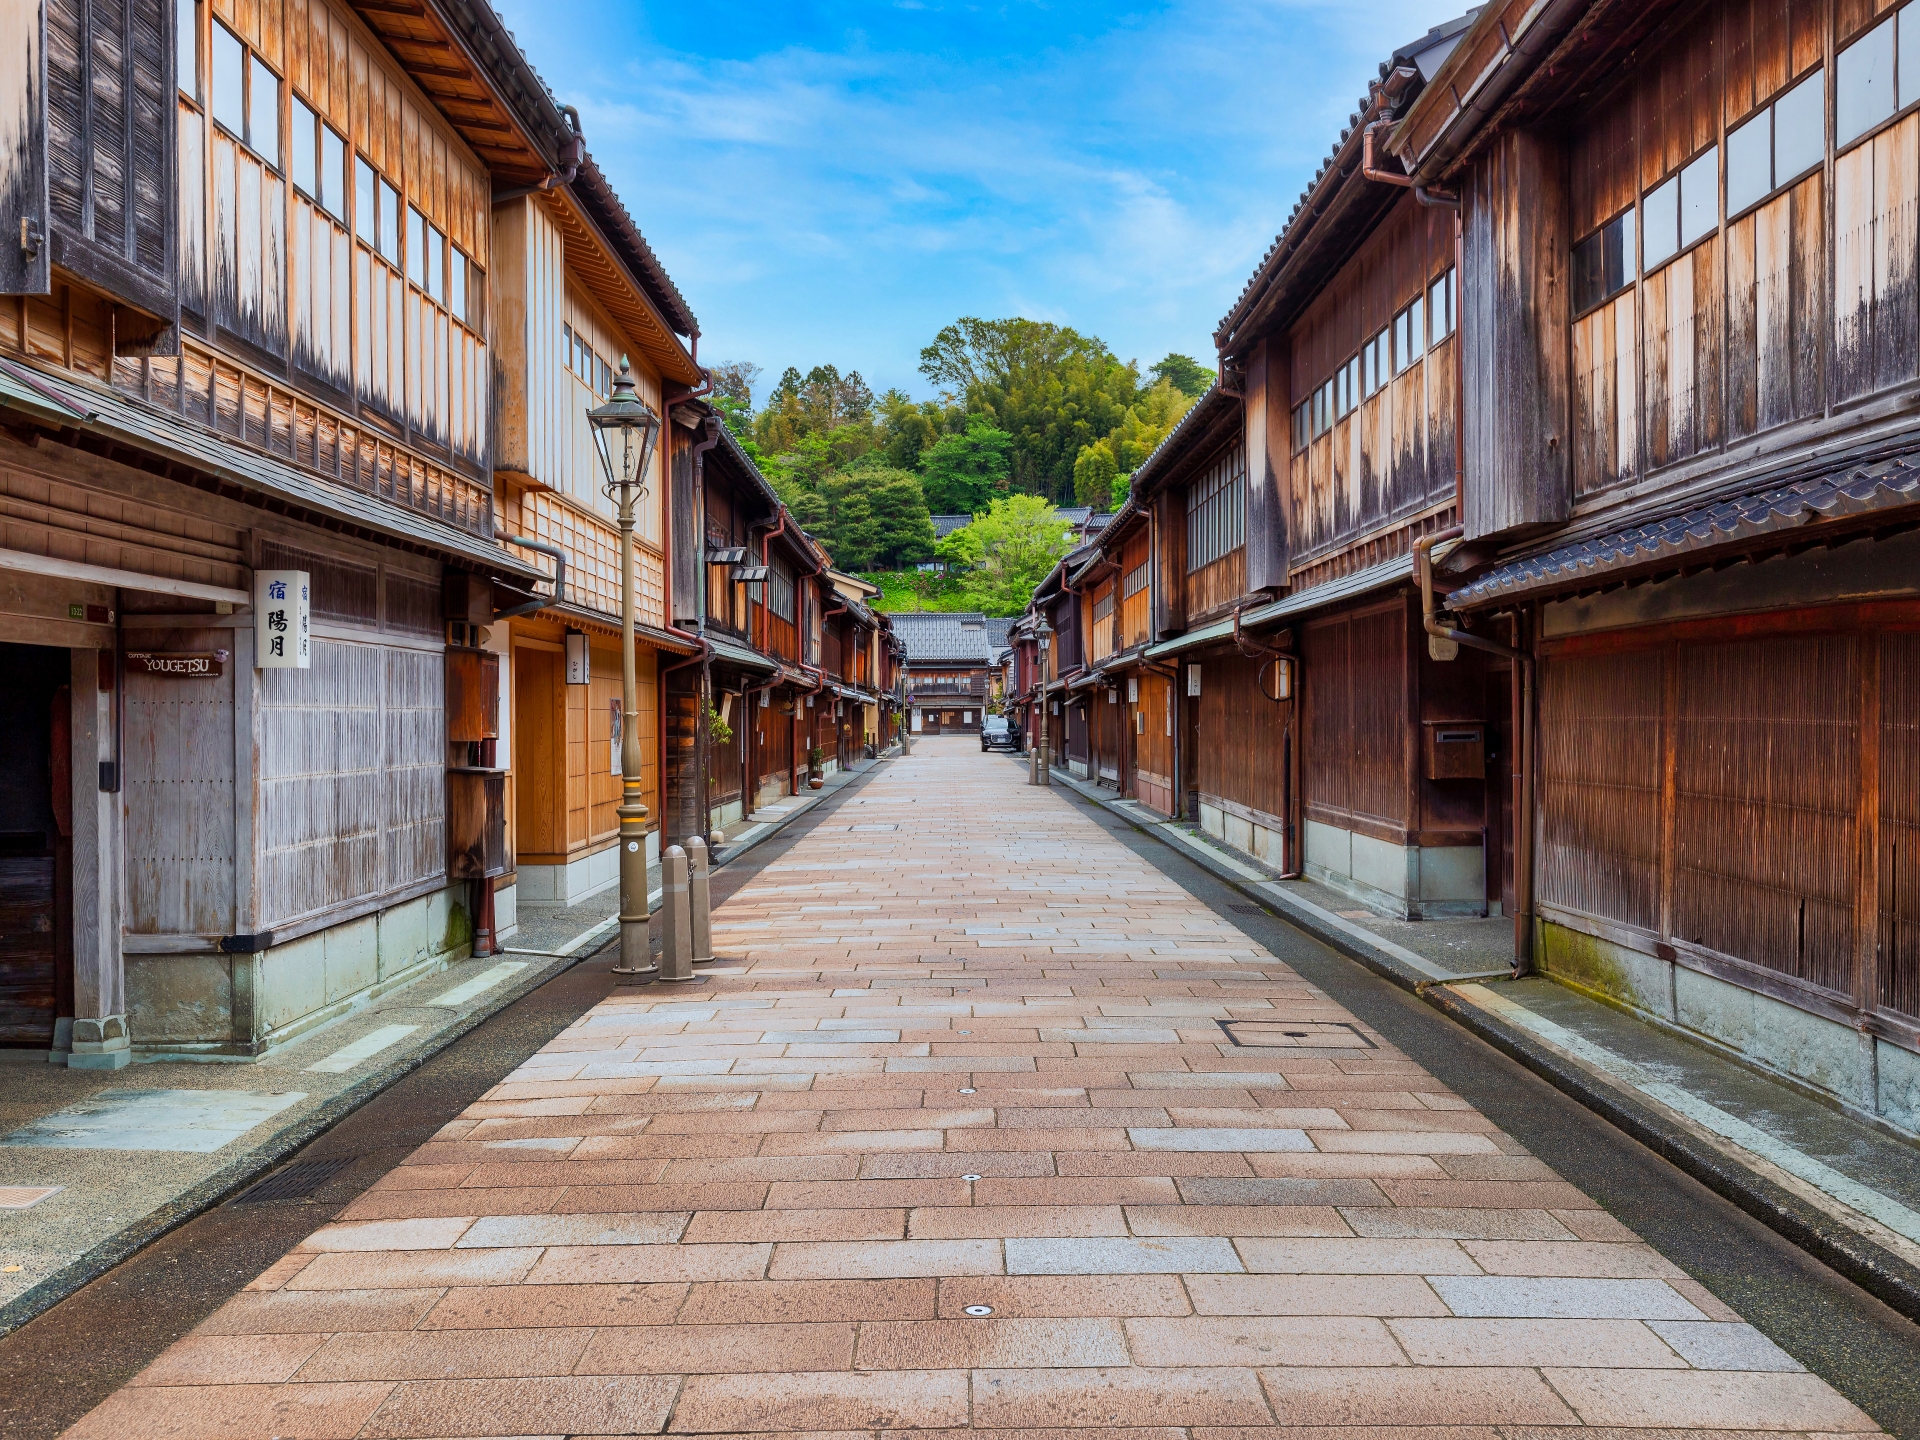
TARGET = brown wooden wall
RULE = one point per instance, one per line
(1802, 304)
(1216, 586)
(1748, 803)
(1357, 694)
(1157, 716)
(1240, 747)
(1393, 456)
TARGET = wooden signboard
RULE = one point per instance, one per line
(179, 664)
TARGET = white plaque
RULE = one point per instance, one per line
(282, 620)
(579, 658)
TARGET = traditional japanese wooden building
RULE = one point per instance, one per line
(577, 292)
(947, 663)
(250, 344)
(1692, 460)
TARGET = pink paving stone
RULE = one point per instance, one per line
(792, 1248)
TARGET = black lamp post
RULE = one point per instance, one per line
(625, 431)
(1042, 761)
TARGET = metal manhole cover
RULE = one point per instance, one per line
(296, 1181)
(1296, 1034)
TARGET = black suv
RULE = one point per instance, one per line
(997, 733)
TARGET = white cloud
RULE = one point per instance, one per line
(837, 195)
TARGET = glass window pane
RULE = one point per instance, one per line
(1660, 208)
(300, 162)
(1437, 308)
(1399, 342)
(333, 174)
(1799, 128)
(1367, 370)
(1700, 197)
(457, 283)
(229, 81)
(263, 114)
(1417, 327)
(363, 199)
(1749, 162)
(435, 279)
(1620, 253)
(1909, 56)
(389, 222)
(186, 58)
(1863, 83)
(416, 244)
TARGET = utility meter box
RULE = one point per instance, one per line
(1456, 750)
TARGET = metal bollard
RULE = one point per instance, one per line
(676, 942)
(700, 896)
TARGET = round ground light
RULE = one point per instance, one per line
(978, 1310)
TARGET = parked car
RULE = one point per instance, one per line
(997, 733)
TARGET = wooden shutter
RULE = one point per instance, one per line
(109, 119)
(24, 267)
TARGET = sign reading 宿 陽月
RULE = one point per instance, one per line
(282, 619)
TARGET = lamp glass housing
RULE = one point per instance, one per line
(625, 431)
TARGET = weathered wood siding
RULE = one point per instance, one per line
(1393, 455)
(1743, 801)
(262, 265)
(1793, 305)
(1240, 751)
(1355, 692)
(1513, 336)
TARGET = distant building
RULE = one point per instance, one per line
(949, 658)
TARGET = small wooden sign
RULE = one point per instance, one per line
(179, 664)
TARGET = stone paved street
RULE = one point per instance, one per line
(972, 1131)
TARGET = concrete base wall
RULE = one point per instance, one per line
(580, 878)
(1412, 882)
(1255, 839)
(238, 1007)
(1861, 1071)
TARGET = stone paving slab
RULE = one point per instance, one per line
(1019, 1185)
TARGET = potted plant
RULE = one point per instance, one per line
(816, 757)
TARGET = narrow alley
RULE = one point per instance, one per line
(979, 1121)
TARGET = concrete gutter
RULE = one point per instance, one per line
(1865, 1236)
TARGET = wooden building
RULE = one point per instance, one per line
(577, 292)
(947, 660)
(249, 341)
(1692, 451)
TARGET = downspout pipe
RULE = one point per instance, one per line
(1436, 625)
(1426, 195)
(540, 602)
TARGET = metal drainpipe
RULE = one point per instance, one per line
(1523, 841)
(573, 149)
(540, 602)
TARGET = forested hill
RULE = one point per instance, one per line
(1029, 415)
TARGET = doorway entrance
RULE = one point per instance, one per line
(36, 844)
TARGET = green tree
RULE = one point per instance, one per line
(734, 380)
(1186, 374)
(1006, 552)
(1051, 388)
(961, 472)
(905, 427)
(1096, 474)
(1101, 467)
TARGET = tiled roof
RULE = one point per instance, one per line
(1304, 211)
(1886, 485)
(945, 525)
(957, 635)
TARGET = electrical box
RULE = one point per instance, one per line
(1456, 750)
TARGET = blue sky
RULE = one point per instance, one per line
(832, 183)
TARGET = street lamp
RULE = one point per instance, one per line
(1042, 762)
(625, 430)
